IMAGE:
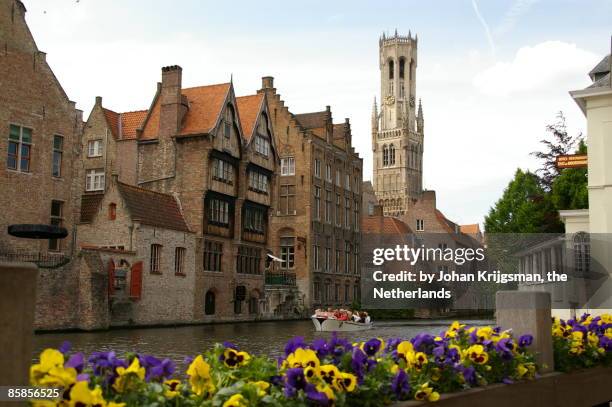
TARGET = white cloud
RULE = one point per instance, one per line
(518, 8)
(548, 64)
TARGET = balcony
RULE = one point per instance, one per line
(280, 279)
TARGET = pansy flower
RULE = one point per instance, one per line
(425, 393)
(233, 358)
(400, 384)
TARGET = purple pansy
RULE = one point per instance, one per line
(400, 384)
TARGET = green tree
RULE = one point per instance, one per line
(569, 188)
(560, 143)
(525, 207)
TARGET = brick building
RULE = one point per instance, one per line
(41, 134)
(109, 146)
(41, 130)
(216, 154)
(316, 224)
(150, 254)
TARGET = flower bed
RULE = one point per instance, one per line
(582, 342)
(325, 372)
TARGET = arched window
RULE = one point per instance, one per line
(391, 69)
(385, 155)
(391, 155)
(402, 63)
(209, 303)
(582, 252)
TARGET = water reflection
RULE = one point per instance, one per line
(256, 337)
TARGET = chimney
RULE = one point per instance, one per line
(267, 82)
(98, 100)
(170, 117)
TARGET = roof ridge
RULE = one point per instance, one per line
(207, 86)
(146, 190)
(135, 111)
(109, 110)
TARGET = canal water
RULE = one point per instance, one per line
(259, 338)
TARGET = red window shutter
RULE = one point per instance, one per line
(111, 277)
(136, 280)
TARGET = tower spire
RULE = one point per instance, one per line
(375, 116)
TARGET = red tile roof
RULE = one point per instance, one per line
(248, 109)
(205, 105)
(112, 118)
(153, 208)
(389, 225)
(130, 122)
(472, 229)
(124, 125)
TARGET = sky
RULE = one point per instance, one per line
(491, 74)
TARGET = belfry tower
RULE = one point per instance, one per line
(397, 129)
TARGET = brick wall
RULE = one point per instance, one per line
(31, 97)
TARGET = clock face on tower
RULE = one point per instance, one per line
(389, 100)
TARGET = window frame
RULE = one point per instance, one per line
(179, 260)
(287, 166)
(95, 152)
(155, 258)
(92, 176)
(20, 143)
(58, 153)
(212, 254)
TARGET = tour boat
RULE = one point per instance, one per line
(335, 325)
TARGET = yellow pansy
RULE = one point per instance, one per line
(477, 354)
(50, 371)
(404, 350)
(418, 360)
(127, 377)
(81, 395)
(346, 382)
(237, 400)
(593, 339)
(233, 358)
(425, 392)
(262, 387)
(172, 388)
(199, 376)
(484, 333)
(329, 373)
(302, 358)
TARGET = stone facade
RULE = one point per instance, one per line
(397, 130)
(316, 224)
